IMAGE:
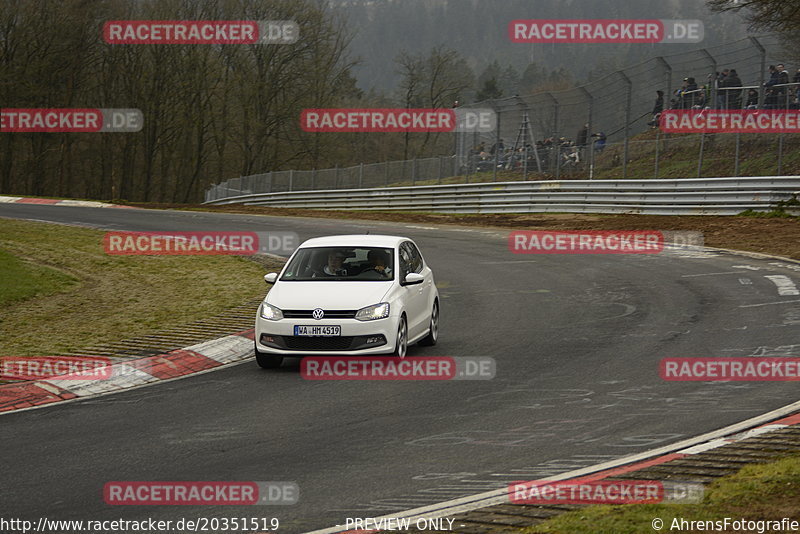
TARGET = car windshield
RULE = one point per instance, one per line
(341, 263)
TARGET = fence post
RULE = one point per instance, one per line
(587, 142)
(736, 159)
(386, 172)
(496, 144)
(714, 81)
(658, 142)
(555, 131)
(360, 175)
(628, 97)
(291, 178)
(525, 163)
(700, 156)
(780, 154)
(414, 171)
(270, 182)
(763, 53)
(668, 69)
(313, 177)
(336, 176)
(440, 169)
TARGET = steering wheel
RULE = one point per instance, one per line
(382, 274)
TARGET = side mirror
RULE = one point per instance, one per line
(271, 278)
(413, 278)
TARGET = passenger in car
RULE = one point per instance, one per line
(334, 266)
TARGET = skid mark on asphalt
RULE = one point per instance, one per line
(768, 352)
(462, 484)
(709, 274)
(633, 403)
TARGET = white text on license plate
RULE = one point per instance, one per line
(323, 331)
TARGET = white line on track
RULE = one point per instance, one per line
(709, 274)
(768, 303)
(785, 285)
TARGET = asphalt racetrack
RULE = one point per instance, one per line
(577, 340)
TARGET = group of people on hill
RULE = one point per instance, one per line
(778, 94)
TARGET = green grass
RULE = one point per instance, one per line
(63, 293)
(768, 491)
(21, 280)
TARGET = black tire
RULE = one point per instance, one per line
(268, 361)
(433, 336)
(401, 346)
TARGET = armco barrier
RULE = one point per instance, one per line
(689, 196)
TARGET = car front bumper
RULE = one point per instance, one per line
(357, 338)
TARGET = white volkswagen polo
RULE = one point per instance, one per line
(348, 295)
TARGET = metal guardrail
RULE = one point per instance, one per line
(689, 196)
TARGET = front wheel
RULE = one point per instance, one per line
(433, 334)
(268, 361)
(401, 346)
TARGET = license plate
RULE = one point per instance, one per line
(317, 331)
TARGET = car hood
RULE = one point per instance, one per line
(327, 295)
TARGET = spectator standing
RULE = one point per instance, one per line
(583, 136)
(730, 98)
(658, 107)
(796, 89)
(775, 92)
(752, 99)
(688, 94)
(599, 142)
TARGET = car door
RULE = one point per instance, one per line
(424, 270)
(413, 295)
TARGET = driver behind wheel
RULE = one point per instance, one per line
(379, 262)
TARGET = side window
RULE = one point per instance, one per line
(416, 257)
(406, 260)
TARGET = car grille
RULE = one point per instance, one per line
(318, 343)
(329, 314)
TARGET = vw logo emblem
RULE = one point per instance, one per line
(318, 314)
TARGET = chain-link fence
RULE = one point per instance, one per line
(555, 131)
(587, 131)
(406, 172)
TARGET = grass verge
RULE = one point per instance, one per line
(22, 280)
(63, 293)
(769, 491)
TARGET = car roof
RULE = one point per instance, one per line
(355, 240)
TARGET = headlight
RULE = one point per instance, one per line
(271, 312)
(376, 311)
